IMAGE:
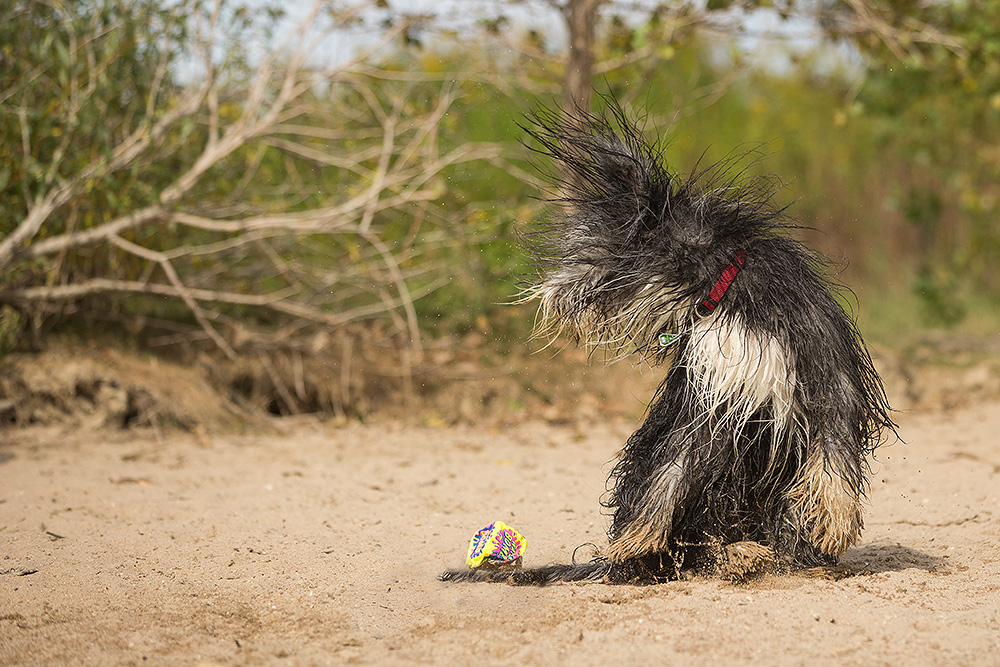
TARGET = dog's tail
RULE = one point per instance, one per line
(537, 576)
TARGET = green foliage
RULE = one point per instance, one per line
(75, 78)
(11, 328)
(939, 110)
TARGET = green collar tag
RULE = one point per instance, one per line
(668, 339)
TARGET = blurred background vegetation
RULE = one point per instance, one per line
(209, 180)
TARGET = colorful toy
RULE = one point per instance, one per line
(496, 545)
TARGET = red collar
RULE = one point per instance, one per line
(706, 307)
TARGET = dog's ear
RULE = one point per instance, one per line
(622, 171)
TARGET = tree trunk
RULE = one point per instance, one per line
(581, 19)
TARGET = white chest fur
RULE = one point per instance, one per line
(737, 370)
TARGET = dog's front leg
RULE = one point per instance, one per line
(648, 526)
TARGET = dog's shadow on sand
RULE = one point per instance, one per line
(878, 558)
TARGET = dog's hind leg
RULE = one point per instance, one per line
(827, 496)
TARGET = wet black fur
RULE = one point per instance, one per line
(633, 221)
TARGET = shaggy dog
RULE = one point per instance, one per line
(754, 452)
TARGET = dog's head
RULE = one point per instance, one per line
(633, 247)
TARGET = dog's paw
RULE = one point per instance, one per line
(742, 561)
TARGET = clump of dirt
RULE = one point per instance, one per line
(106, 387)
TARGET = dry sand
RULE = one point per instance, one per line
(321, 545)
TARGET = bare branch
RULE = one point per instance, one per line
(900, 40)
(76, 239)
(182, 291)
(378, 181)
(54, 293)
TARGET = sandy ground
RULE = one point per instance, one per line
(321, 546)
